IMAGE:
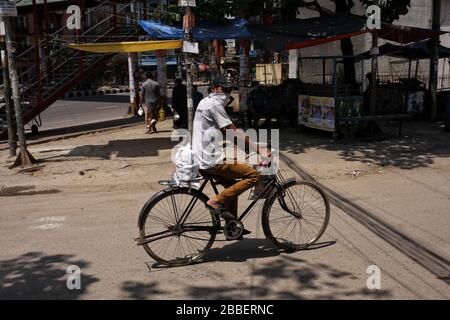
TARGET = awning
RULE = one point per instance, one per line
(274, 36)
(133, 46)
(205, 30)
(405, 35)
(418, 50)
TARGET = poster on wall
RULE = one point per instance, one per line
(349, 107)
(303, 109)
(315, 119)
(416, 102)
(328, 113)
(317, 112)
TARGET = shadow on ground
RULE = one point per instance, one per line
(18, 191)
(36, 275)
(284, 276)
(101, 125)
(421, 254)
(131, 148)
(417, 149)
(288, 277)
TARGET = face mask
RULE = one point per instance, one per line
(224, 98)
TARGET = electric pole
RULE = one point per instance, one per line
(434, 61)
(25, 159)
(188, 25)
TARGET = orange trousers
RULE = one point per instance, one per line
(237, 178)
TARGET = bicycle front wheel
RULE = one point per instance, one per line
(176, 228)
(296, 217)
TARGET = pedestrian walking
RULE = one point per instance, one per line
(150, 101)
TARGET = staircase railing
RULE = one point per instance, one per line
(93, 34)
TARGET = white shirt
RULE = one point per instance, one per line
(207, 140)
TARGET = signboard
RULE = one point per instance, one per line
(8, 9)
(270, 74)
(187, 3)
(348, 107)
(231, 46)
(293, 64)
(416, 102)
(317, 112)
(190, 47)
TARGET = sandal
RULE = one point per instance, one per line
(222, 212)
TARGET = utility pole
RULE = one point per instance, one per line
(434, 61)
(25, 159)
(188, 25)
(12, 144)
(374, 70)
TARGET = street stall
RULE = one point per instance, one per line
(322, 104)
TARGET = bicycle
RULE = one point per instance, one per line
(180, 213)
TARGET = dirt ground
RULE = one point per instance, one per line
(390, 207)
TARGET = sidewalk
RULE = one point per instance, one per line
(390, 202)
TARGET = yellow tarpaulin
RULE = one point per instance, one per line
(133, 46)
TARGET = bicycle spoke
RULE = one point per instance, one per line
(298, 232)
(183, 241)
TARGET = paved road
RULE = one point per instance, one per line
(85, 110)
(389, 200)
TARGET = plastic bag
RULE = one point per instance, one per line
(186, 166)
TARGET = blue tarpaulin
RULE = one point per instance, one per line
(206, 30)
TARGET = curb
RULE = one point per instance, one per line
(78, 134)
(88, 93)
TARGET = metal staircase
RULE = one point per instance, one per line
(67, 68)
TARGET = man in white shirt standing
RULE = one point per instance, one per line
(211, 123)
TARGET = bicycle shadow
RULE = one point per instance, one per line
(249, 249)
(244, 250)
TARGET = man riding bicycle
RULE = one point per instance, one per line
(211, 124)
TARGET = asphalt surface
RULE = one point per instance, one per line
(87, 110)
(389, 208)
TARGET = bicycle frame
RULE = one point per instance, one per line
(276, 181)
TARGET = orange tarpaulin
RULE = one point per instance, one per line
(133, 46)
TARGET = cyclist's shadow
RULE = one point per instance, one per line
(240, 251)
(247, 249)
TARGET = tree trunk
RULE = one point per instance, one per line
(344, 7)
(12, 144)
(25, 159)
(349, 63)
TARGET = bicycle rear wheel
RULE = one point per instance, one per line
(296, 218)
(168, 239)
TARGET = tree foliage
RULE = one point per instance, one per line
(286, 9)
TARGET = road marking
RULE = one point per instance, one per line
(48, 226)
(54, 223)
(52, 219)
